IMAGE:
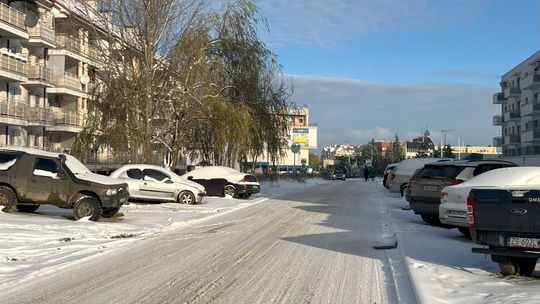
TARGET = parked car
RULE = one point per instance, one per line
(424, 191)
(337, 174)
(453, 199)
(399, 178)
(390, 168)
(504, 219)
(32, 177)
(148, 182)
(224, 181)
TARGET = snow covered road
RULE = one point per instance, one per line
(304, 247)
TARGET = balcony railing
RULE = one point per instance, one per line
(39, 114)
(498, 141)
(498, 98)
(68, 81)
(40, 73)
(73, 44)
(42, 32)
(67, 118)
(512, 92)
(12, 109)
(515, 114)
(515, 138)
(12, 16)
(497, 120)
(7, 63)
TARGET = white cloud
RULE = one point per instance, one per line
(323, 22)
(356, 111)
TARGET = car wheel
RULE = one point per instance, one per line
(507, 268)
(525, 266)
(229, 191)
(27, 208)
(186, 198)
(430, 219)
(110, 212)
(402, 189)
(87, 206)
(7, 196)
(465, 231)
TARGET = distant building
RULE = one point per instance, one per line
(420, 146)
(300, 131)
(330, 153)
(520, 113)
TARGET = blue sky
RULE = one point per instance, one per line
(374, 68)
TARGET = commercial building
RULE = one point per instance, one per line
(519, 120)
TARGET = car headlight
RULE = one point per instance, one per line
(112, 191)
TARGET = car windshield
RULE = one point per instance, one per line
(338, 172)
(75, 166)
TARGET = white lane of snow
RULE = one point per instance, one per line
(36, 244)
(442, 268)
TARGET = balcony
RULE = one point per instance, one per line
(67, 84)
(66, 121)
(498, 98)
(515, 139)
(498, 120)
(498, 141)
(71, 46)
(39, 75)
(12, 22)
(531, 82)
(42, 35)
(11, 68)
(512, 92)
(39, 115)
(515, 114)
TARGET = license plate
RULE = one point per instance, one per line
(430, 188)
(523, 242)
(457, 213)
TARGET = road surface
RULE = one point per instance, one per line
(312, 246)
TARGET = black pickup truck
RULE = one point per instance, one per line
(507, 223)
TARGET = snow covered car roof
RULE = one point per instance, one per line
(212, 171)
(510, 176)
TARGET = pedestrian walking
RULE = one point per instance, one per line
(366, 173)
(372, 174)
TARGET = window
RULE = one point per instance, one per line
(45, 167)
(134, 173)
(155, 175)
(7, 160)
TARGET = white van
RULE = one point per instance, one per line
(399, 178)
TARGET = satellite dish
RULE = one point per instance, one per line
(31, 19)
(85, 79)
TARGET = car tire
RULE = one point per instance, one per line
(87, 206)
(110, 212)
(507, 268)
(27, 208)
(402, 189)
(7, 196)
(186, 198)
(430, 219)
(525, 266)
(229, 191)
(465, 231)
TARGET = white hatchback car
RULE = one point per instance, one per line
(453, 207)
(148, 182)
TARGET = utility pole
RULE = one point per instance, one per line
(444, 132)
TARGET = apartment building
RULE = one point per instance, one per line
(46, 59)
(519, 120)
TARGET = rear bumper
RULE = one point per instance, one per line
(453, 216)
(424, 207)
(248, 189)
(499, 255)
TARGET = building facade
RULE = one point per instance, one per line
(45, 74)
(519, 120)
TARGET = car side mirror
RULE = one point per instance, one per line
(190, 177)
(61, 175)
(168, 181)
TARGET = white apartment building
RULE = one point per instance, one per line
(46, 57)
(520, 113)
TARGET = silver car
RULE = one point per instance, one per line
(148, 182)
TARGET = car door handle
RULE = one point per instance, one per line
(145, 184)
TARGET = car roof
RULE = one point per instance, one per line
(141, 166)
(32, 151)
(472, 163)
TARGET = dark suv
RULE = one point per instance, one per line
(31, 177)
(424, 191)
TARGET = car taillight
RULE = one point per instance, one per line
(413, 180)
(392, 176)
(457, 181)
(444, 195)
(470, 210)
